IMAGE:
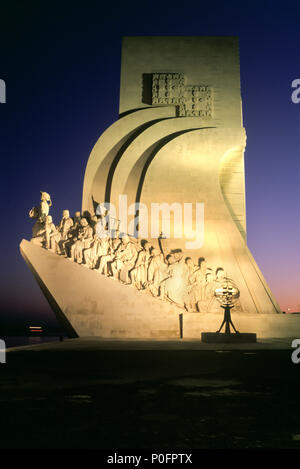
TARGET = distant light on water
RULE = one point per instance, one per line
(35, 329)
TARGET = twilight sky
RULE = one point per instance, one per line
(61, 65)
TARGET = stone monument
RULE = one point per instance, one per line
(163, 208)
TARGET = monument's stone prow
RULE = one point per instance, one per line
(96, 305)
(89, 304)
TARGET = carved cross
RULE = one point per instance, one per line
(192, 101)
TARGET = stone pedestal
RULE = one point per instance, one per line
(223, 338)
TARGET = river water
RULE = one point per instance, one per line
(18, 341)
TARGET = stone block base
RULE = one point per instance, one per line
(223, 338)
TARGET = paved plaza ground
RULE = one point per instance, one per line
(92, 393)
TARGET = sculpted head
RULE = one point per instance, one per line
(220, 274)
(83, 222)
(189, 262)
(177, 255)
(125, 239)
(45, 196)
(209, 277)
(48, 219)
(171, 259)
(66, 214)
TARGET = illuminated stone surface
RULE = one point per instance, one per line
(185, 159)
(110, 147)
(88, 303)
(179, 139)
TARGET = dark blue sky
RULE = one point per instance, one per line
(61, 64)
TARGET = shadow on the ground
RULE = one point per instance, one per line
(149, 399)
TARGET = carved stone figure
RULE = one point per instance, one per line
(105, 260)
(124, 260)
(140, 270)
(39, 225)
(101, 228)
(109, 250)
(72, 236)
(45, 205)
(84, 241)
(175, 286)
(77, 218)
(57, 241)
(93, 222)
(50, 231)
(210, 287)
(176, 280)
(103, 247)
(44, 234)
(191, 270)
(157, 272)
(90, 255)
(99, 247)
(197, 283)
(66, 224)
(220, 276)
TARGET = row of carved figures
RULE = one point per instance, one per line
(172, 277)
